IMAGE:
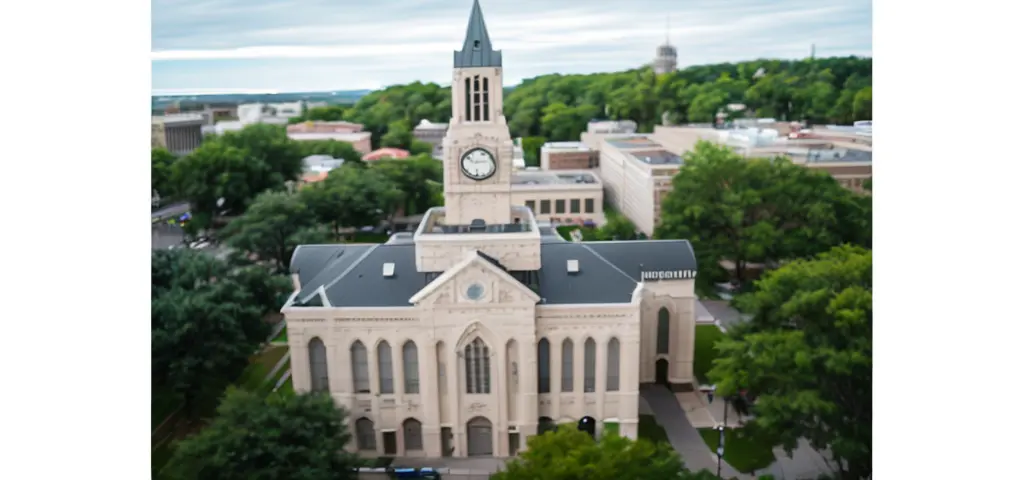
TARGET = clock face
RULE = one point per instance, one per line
(478, 164)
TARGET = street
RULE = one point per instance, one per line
(166, 235)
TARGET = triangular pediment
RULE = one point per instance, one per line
(476, 280)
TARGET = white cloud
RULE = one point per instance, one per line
(221, 43)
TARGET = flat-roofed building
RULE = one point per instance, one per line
(359, 140)
(325, 127)
(179, 133)
(432, 133)
(844, 154)
(560, 197)
(567, 156)
(637, 173)
(612, 126)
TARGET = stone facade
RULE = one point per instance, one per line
(478, 360)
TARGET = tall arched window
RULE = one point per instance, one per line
(478, 367)
(487, 101)
(543, 366)
(469, 103)
(411, 367)
(663, 330)
(412, 433)
(318, 366)
(589, 365)
(387, 378)
(613, 366)
(360, 368)
(366, 438)
(567, 365)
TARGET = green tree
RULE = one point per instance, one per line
(399, 135)
(216, 171)
(421, 148)
(862, 104)
(811, 320)
(270, 229)
(206, 322)
(160, 170)
(269, 146)
(351, 197)
(417, 179)
(756, 211)
(618, 227)
(531, 150)
(569, 454)
(272, 438)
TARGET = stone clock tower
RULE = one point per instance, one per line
(478, 146)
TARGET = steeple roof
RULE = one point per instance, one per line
(476, 49)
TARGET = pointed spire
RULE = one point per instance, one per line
(476, 49)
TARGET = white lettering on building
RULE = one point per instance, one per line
(669, 275)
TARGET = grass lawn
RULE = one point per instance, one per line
(704, 350)
(743, 453)
(259, 367)
(286, 388)
(282, 336)
(649, 429)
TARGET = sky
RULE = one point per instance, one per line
(227, 46)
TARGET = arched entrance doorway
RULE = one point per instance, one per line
(661, 371)
(479, 440)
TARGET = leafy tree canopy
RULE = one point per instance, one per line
(161, 161)
(272, 227)
(277, 437)
(569, 454)
(206, 320)
(558, 107)
(762, 211)
(812, 320)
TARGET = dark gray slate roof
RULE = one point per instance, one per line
(476, 49)
(352, 275)
(652, 255)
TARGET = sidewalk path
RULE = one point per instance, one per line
(684, 438)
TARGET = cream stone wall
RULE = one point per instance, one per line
(467, 199)
(628, 185)
(538, 193)
(511, 323)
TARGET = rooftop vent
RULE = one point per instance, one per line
(389, 269)
(573, 266)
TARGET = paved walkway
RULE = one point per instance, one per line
(681, 434)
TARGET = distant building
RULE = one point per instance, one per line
(845, 153)
(382, 153)
(560, 197)
(567, 156)
(612, 126)
(325, 127)
(665, 59)
(179, 133)
(261, 112)
(432, 133)
(360, 140)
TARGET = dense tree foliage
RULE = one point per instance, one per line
(558, 107)
(806, 354)
(757, 211)
(160, 170)
(273, 438)
(272, 227)
(570, 454)
(206, 321)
